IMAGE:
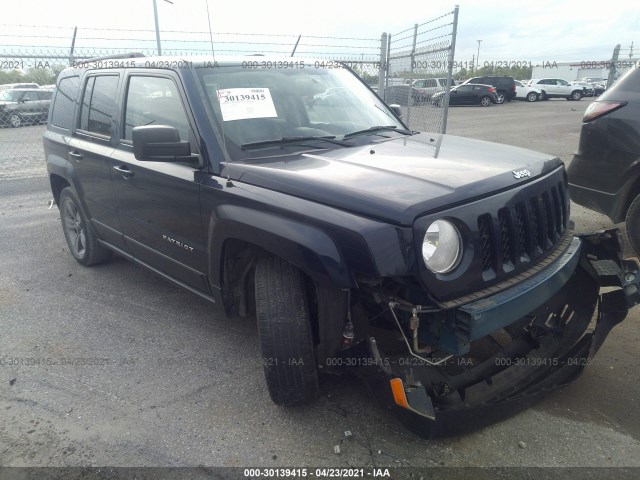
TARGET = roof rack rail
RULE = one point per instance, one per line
(116, 56)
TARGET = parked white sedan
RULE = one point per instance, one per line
(525, 92)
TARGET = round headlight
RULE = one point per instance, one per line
(441, 247)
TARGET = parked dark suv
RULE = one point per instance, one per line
(467, 94)
(605, 172)
(443, 270)
(24, 106)
(505, 86)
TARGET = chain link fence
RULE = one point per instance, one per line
(406, 68)
(419, 68)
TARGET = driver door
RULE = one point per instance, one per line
(158, 203)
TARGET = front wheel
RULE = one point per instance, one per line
(577, 95)
(15, 120)
(81, 239)
(633, 224)
(284, 329)
(532, 97)
(486, 101)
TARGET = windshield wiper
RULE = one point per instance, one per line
(379, 128)
(290, 140)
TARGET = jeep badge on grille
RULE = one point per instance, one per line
(521, 173)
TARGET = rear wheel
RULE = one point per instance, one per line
(633, 224)
(501, 98)
(543, 95)
(532, 96)
(486, 101)
(284, 328)
(81, 239)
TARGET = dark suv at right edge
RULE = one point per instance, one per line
(604, 174)
(444, 270)
(505, 86)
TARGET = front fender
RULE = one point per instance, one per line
(305, 246)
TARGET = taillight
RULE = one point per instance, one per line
(513, 89)
(600, 109)
(491, 90)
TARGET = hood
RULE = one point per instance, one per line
(400, 179)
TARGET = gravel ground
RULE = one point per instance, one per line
(174, 386)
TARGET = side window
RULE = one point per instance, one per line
(430, 83)
(154, 101)
(44, 95)
(562, 82)
(98, 104)
(465, 88)
(65, 102)
(30, 96)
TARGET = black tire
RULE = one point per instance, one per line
(532, 97)
(633, 224)
(284, 328)
(576, 95)
(485, 101)
(81, 239)
(501, 97)
(15, 120)
(543, 95)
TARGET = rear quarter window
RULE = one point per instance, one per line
(65, 102)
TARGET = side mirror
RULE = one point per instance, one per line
(395, 108)
(160, 143)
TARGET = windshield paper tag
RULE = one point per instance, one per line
(244, 103)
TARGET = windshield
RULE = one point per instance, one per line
(252, 106)
(10, 95)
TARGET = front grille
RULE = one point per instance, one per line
(524, 231)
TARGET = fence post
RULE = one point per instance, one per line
(73, 45)
(452, 53)
(383, 66)
(612, 71)
(388, 65)
(413, 58)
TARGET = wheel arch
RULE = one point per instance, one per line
(237, 236)
(58, 183)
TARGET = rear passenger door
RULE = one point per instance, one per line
(90, 149)
(158, 202)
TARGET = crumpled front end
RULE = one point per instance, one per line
(473, 364)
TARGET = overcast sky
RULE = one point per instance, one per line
(540, 30)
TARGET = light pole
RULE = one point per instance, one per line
(478, 55)
(155, 16)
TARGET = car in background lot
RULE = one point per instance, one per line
(424, 88)
(505, 86)
(525, 92)
(605, 172)
(587, 88)
(9, 86)
(467, 94)
(557, 88)
(24, 106)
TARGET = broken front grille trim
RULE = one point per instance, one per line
(539, 224)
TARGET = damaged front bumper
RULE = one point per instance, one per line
(536, 336)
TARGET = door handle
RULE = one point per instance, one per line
(77, 156)
(124, 171)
